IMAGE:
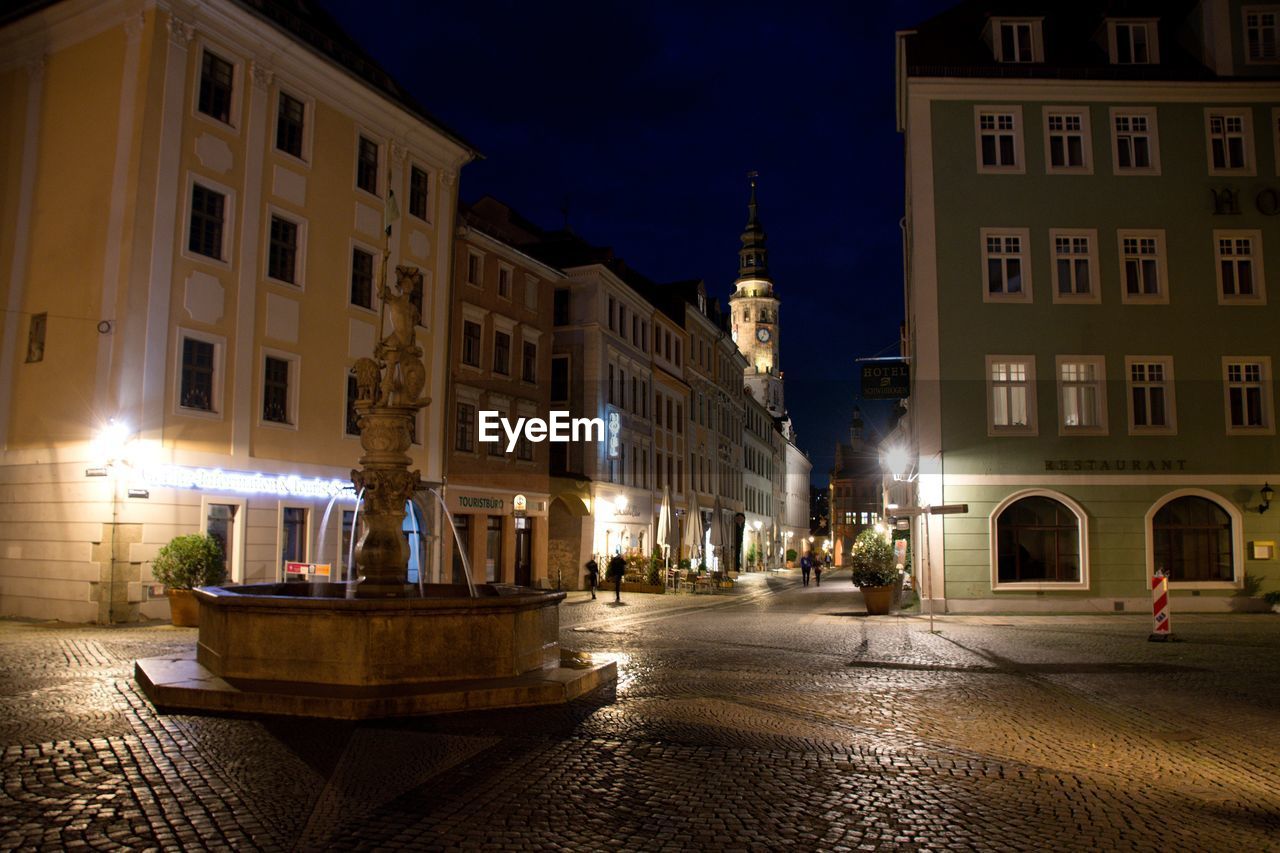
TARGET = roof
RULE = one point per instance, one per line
(310, 25)
(955, 43)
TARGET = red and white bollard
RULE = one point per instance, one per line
(1160, 630)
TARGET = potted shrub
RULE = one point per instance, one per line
(874, 571)
(656, 566)
(791, 558)
(184, 564)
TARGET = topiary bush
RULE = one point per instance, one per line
(791, 555)
(872, 560)
(190, 561)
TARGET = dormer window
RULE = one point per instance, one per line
(1017, 40)
(1133, 42)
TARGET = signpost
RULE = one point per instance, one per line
(913, 512)
(1161, 630)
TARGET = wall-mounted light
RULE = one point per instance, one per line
(1267, 493)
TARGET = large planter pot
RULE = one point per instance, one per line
(877, 598)
(184, 610)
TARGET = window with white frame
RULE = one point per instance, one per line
(1011, 395)
(1133, 42)
(1074, 265)
(1017, 40)
(1068, 140)
(1239, 264)
(1039, 540)
(361, 278)
(1248, 394)
(1082, 401)
(279, 389)
(1006, 267)
(1135, 141)
(207, 228)
(368, 156)
(1142, 267)
(464, 439)
(1229, 133)
(199, 373)
(999, 139)
(1151, 395)
(419, 192)
(291, 124)
(1261, 29)
(284, 250)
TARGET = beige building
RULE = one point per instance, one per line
(500, 330)
(194, 211)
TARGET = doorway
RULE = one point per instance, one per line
(220, 523)
(524, 551)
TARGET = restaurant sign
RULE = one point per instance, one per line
(1115, 465)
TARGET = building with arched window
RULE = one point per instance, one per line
(1090, 203)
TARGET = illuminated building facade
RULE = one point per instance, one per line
(224, 174)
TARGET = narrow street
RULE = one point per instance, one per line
(775, 715)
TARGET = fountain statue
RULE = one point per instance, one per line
(312, 649)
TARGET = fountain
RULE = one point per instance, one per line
(393, 648)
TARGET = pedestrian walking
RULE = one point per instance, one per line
(617, 568)
(817, 571)
(593, 576)
(806, 566)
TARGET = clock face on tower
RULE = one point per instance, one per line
(762, 334)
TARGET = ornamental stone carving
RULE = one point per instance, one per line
(180, 32)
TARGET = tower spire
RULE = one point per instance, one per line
(753, 257)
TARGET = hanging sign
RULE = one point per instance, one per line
(886, 380)
(518, 506)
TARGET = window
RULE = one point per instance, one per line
(1134, 42)
(352, 419)
(465, 429)
(282, 251)
(1229, 134)
(496, 448)
(1005, 265)
(1038, 540)
(999, 139)
(1082, 397)
(1248, 395)
(524, 448)
(474, 270)
(1142, 266)
(1192, 540)
(470, 343)
(418, 192)
(529, 362)
(293, 536)
(208, 218)
(1134, 142)
(504, 281)
(1151, 400)
(1068, 140)
(1073, 266)
(502, 353)
(1011, 395)
(362, 278)
(367, 165)
(198, 362)
(217, 79)
(1239, 263)
(1260, 31)
(1017, 41)
(275, 391)
(290, 124)
(560, 307)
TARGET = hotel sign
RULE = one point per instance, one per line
(613, 432)
(886, 380)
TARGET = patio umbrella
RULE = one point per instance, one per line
(664, 523)
(693, 527)
(717, 533)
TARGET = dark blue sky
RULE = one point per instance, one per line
(645, 118)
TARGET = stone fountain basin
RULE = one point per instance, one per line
(313, 633)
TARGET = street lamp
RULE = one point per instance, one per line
(110, 446)
(759, 545)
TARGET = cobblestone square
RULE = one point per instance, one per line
(776, 716)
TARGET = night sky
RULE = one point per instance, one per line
(642, 119)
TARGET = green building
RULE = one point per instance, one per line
(1093, 302)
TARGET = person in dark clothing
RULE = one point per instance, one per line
(593, 576)
(617, 568)
(817, 571)
(806, 566)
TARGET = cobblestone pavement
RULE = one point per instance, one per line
(773, 716)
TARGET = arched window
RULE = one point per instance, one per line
(1037, 541)
(1192, 540)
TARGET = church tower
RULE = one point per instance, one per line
(754, 309)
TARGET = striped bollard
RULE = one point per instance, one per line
(1160, 630)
